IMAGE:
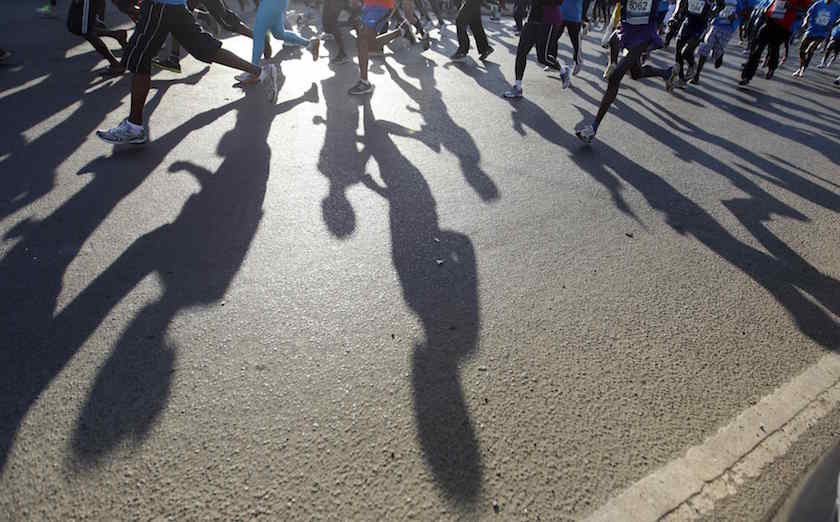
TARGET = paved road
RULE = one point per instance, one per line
(414, 306)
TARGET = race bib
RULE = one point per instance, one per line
(696, 6)
(638, 11)
(779, 9)
(727, 11)
(823, 18)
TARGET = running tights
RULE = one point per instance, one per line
(773, 35)
(539, 34)
(631, 63)
(574, 37)
(271, 15)
(685, 52)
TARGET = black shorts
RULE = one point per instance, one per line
(156, 22)
(85, 16)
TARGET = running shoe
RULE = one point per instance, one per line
(689, 72)
(483, 56)
(340, 59)
(769, 74)
(170, 64)
(427, 42)
(821, 65)
(362, 87)
(694, 80)
(314, 48)
(566, 77)
(578, 65)
(744, 82)
(513, 93)
(609, 70)
(268, 78)
(718, 62)
(670, 79)
(46, 11)
(458, 56)
(123, 134)
(246, 78)
(586, 134)
(408, 35)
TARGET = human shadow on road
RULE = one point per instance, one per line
(439, 130)
(32, 272)
(39, 346)
(782, 272)
(195, 257)
(30, 168)
(437, 270)
(339, 160)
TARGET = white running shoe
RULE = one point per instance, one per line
(566, 76)
(513, 93)
(268, 78)
(586, 134)
(124, 133)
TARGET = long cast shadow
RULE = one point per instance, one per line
(439, 130)
(196, 258)
(39, 346)
(437, 270)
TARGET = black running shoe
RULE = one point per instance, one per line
(485, 54)
(169, 64)
(718, 62)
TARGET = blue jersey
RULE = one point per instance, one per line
(664, 5)
(821, 16)
(572, 10)
(731, 7)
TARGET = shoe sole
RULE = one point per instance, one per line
(166, 68)
(130, 142)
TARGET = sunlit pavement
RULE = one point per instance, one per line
(429, 303)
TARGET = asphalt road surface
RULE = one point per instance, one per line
(431, 303)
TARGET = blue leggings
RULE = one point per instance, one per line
(270, 16)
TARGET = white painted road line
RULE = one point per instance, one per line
(689, 486)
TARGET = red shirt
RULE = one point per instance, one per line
(380, 3)
(783, 12)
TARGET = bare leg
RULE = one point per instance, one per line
(102, 49)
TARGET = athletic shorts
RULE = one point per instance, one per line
(715, 42)
(85, 16)
(373, 16)
(156, 22)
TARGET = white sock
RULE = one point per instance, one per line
(518, 84)
(133, 126)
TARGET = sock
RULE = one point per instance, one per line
(518, 84)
